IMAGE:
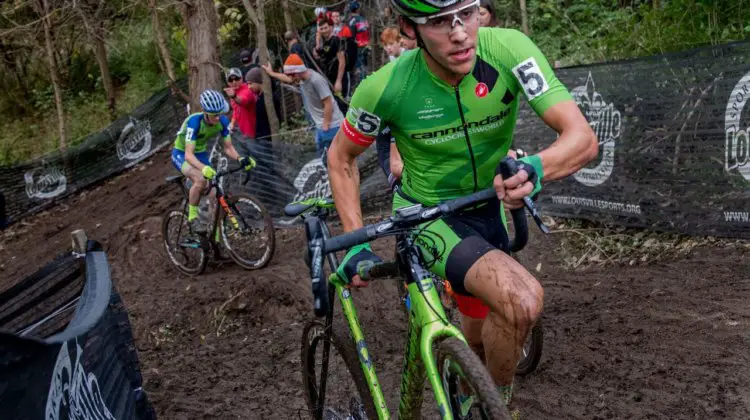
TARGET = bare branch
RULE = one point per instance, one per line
(251, 13)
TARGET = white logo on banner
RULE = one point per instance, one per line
(312, 181)
(606, 122)
(738, 139)
(74, 394)
(135, 140)
(45, 182)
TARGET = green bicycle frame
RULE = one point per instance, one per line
(428, 323)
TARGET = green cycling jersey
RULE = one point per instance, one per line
(451, 138)
(195, 130)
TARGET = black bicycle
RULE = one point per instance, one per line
(455, 372)
(241, 225)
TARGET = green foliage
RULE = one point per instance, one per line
(231, 22)
(586, 31)
(569, 31)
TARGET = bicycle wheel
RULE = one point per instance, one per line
(253, 243)
(189, 256)
(346, 393)
(532, 350)
(464, 376)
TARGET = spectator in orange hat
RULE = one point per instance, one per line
(317, 96)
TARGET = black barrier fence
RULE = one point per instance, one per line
(674, 149)
(66, 346)
(673, 142)
(32, 186)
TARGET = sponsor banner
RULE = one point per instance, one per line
(674, 142)
(32, 186)
(69, 355)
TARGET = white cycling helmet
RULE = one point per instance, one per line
(213, 102)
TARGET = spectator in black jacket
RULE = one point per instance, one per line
(295, 47)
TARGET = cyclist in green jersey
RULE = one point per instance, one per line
(452, 106)
(189, 154)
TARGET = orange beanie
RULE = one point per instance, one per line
(294, 64)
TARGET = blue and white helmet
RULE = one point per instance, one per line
(213, 102)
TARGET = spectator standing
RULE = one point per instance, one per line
(338, 24)
(243, 98)
(407, 43)
(487, 14)
(317, 96)
(391, 41)
(360, 27)
(330, 52)
(261, 148)
(294, 46)
(246, 58)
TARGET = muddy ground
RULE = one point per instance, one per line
(666, 340)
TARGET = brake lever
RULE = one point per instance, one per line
(509, 166)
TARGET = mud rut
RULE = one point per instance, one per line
(663, 341)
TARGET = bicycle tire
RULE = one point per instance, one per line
(235, 251)
(454, 352)
(532, 353)
(202, 260)
(313, 336)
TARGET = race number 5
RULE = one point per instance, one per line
(531, 78)
(368, 123)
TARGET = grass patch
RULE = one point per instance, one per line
(23, 139)
(587, 244)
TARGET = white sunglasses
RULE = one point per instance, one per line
(424, 19)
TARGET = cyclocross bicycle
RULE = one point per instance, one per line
(435, 350)
(241, 226)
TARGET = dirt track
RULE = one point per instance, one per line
(663, 341)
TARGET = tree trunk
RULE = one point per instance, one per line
(43, 10)
(657, 4)
(101, 57)
(524, 17)
(204, 70)
(95, 31)
(161, 42)
(289, 27)
(257, 17)
(287, 15)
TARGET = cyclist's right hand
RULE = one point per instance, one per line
(208, 172)
(357, 255)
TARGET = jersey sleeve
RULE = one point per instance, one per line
(192, 129)
(530, 68)
(365, 117)
(224, 121)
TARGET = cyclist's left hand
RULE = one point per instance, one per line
(512, 190)
(348, 268)
(247, 162)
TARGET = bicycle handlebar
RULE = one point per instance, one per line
(414, 215)
(403, 219)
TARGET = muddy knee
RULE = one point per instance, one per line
(521, 306)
